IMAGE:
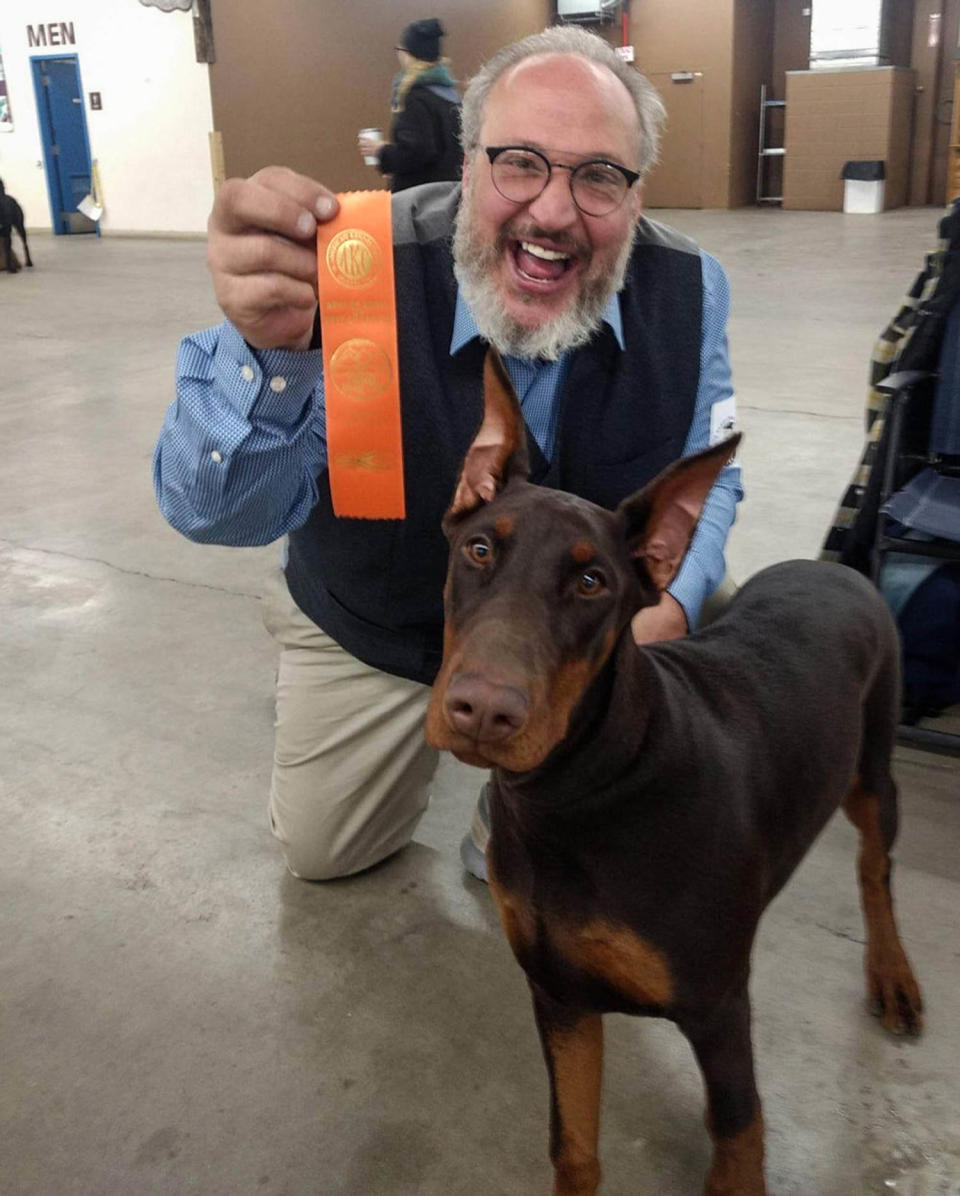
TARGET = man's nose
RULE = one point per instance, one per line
(554, 207)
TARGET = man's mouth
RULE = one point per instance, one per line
(540, 264)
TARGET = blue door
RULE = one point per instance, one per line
(66, 148)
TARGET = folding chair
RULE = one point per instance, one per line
(919, 494)
(905, 496)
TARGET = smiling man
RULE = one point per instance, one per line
(544, 234)
(612, 329)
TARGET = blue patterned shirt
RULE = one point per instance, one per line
(245, 438)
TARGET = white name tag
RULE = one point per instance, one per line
(723, 420)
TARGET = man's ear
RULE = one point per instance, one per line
(660, 519)
(499, 449)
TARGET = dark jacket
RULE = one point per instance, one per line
(424, 139)
(376, 586)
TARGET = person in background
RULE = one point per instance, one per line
(612, 328)
(424, 145)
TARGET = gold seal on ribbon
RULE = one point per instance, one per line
(353, 258)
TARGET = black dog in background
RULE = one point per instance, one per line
(11, 217)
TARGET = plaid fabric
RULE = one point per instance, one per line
(911, 341)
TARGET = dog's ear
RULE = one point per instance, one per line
(660, 519)
(499, 449)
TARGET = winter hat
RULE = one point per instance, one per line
(422, 39)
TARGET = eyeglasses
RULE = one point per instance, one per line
(521, 174)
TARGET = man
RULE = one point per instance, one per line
(612, 329)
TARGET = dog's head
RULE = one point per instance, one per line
(540, 586)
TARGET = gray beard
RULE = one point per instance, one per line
(474, 262)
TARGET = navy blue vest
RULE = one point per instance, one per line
(376, 586)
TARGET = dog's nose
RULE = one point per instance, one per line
(484, 711)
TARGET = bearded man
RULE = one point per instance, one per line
(612, 328)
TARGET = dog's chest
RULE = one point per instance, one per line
(590, 959)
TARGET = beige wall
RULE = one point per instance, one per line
(294, 80)
(840, 116)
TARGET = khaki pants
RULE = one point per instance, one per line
(351, 768)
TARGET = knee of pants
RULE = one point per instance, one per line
(313, 863)
(328, 852)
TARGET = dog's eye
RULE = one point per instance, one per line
(478, 550)
(591, 582)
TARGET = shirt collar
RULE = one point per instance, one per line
(465, 327)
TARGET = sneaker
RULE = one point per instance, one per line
(473, 849)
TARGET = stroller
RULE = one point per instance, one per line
(899, 519)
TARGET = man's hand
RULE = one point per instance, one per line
(665, 621)
(262, 255)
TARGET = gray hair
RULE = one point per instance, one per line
(565, 39)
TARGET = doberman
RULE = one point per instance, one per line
(646, 804)
(11, 217)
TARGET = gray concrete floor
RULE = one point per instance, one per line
(178, 1015)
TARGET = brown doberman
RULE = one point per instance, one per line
(646, 804)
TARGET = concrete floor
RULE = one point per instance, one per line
(178, 1015)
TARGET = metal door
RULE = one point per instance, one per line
(66, 147)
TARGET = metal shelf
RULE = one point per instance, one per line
(765, 151)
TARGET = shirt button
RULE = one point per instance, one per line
(246, 373)
(215, 456)
(278, 385)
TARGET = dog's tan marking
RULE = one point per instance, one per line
(576, 1056)
(891, 985)
(504, 527)
(583, 551)
(738, 1163)
(569, 684)
(619, 956)
(516, 918)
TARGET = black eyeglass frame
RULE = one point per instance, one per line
(631, 176)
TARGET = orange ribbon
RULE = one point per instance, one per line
(358, 326)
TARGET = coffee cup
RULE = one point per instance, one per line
(377, 134)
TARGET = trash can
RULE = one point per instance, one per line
(863, 186)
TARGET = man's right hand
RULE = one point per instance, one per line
(262, 253)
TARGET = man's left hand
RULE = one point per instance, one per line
(665, 621)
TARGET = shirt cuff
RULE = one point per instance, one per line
(268, 386)
(691, 588)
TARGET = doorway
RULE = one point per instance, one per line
(677, 179)
(66, 146)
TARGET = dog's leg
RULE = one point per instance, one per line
(11, 259)
(573, 1048)
(725, 1053)
(26, 248)
(891, 986)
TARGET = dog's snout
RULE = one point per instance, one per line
(485, 711)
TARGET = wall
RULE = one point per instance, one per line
(791, 42)
(943, 109)
(753, 30)
(295, 80)
(696, 37)
(150, 138)
(840, 116)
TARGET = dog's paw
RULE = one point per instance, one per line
(894, 997)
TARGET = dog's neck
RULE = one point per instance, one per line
(602, 747)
